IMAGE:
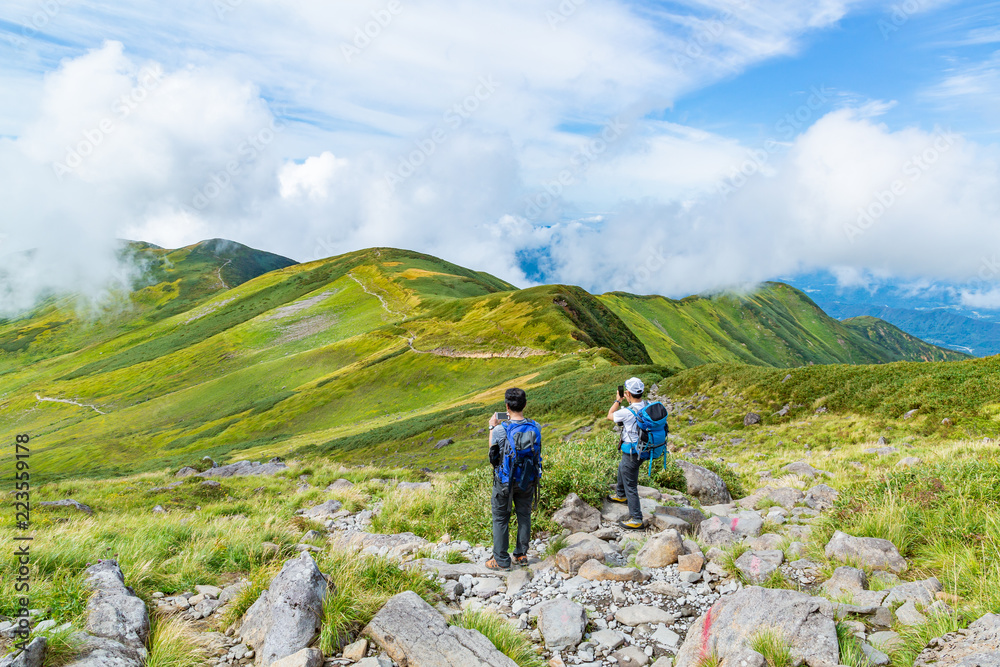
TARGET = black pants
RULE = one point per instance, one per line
(500, 502)
(628, 483)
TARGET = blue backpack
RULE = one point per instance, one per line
(521, 457)
(652, 423)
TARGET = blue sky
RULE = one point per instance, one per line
(869, 55)
(652, 147)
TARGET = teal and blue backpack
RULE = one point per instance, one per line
(521, 457)
(652, 423)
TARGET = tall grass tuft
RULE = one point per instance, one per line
(509, 641)
(172, 644)
(773, 646)
(363, 584)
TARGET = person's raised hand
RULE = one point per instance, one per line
(493, 420)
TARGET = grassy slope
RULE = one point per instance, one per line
(896, 340)
(370, 355)
(297, 357)
(776, 326)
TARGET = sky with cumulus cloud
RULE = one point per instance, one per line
(654, 147)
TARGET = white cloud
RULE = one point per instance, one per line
(202, 154)
(982, 300)
(312, 178)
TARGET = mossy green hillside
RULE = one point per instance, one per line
(374, 353)
(776, 325)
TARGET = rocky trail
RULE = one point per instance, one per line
(695, 587)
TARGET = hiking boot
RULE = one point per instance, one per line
(492, 564)
(521, 561)
(617, 499)
(631, 524)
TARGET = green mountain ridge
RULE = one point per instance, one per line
(228, 351)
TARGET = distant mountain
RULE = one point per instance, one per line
(979, 338)
(777, 325)
(932, 313)
(222, 349)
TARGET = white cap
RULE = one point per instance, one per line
(634, 386)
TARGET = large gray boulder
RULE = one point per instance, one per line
(726, 628)
(561, 622)
(414, 634)
(717, 532)
(660, 550)
(307, 657)
(390, 545)
(117, 621)
(33, 655)
(577, 515)
(921, 592)
(323, 511)
(757, 566)
(976, 646)
(570, 558)
(287, 616)
(67, 502)
(821, 497)
(245, 468)
(704, 484)
(871, 552)
(692, 516)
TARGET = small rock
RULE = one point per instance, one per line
(561, 623)
(639, 614)
(577, 515)
(356, 651)
(907, 614)
(631, 656)
(660, 550)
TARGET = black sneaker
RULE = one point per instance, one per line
(616, 499)
(631, 524)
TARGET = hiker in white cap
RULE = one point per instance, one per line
(627, 490)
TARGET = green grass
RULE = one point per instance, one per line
(773, 646)
(851, 654)
(363, 585)
(61, 647)
(777, 325)
(555, 545)
(509, 641)
(172, 644)
(454, 557)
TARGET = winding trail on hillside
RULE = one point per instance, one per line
(510, 353)
(377, 296)
(218, 272)
(66, 400)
